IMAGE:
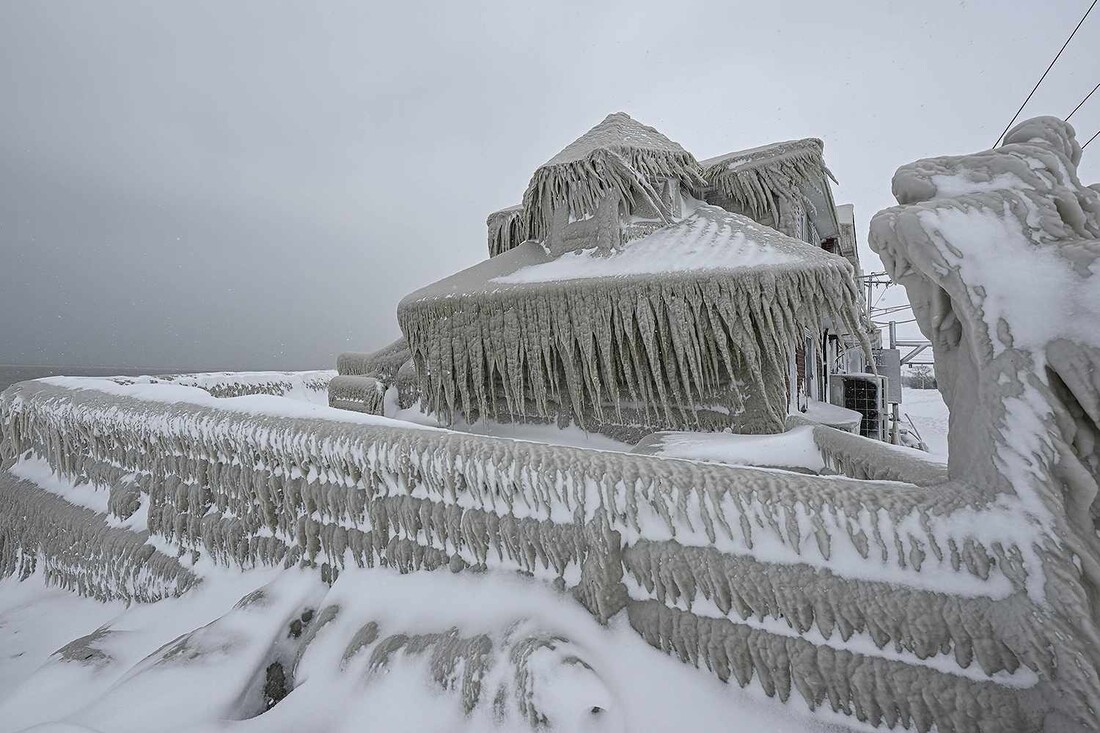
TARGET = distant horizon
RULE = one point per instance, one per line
(175, 369)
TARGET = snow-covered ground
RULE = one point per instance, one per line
(140, 674)
(926, 409)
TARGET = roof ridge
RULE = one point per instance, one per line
(617, 131)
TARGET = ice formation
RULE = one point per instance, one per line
(997, 251)
(618, 301)
(826, 585)
(769, 181)
(618, 157)
(895, 592)
(498, 341)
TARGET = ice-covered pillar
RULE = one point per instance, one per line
(609, 223)
(998, 252)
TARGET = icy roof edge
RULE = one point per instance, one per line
(760, 155)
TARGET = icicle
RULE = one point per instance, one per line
(763, 181)
(572, 332)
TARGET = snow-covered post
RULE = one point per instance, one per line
(998, 251)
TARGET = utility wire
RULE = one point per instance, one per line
(880, 295)
(1090, 140)
(1082, 102)
(890, 309)
(1044, 76)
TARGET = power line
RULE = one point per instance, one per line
(1082, 102)
(890, 309)
(1044, 76)
(880, 295)
(1090, 140)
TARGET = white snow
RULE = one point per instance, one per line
(38, 620)
(709, 239)
(260, 404)
(308, 386)
(960, 185)
(35, 621)
(832, 415)
(925, 407)
(38, 471)
(142, 689)
(793, 449)
(1016, 280)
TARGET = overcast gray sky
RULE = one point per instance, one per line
(256, 184)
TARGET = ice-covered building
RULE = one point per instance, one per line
(858, 581)
(636, 289)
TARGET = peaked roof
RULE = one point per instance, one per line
(619, 132)
(618, 156)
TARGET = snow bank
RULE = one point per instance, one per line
(309, 386)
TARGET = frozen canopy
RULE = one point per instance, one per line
(702, 312)
(619, 155)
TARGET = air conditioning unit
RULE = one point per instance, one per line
(866, 394)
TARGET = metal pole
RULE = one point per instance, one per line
(870, 296)
(895, 409)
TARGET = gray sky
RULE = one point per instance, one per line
(256, 184)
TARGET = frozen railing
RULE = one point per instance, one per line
(857, 457)
(894, 603)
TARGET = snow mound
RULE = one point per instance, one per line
(374, 651)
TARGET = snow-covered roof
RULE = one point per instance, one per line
(709, 239)
(619, 132)
(723, 294)
(507, 211)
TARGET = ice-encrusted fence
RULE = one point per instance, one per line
(889, 602)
